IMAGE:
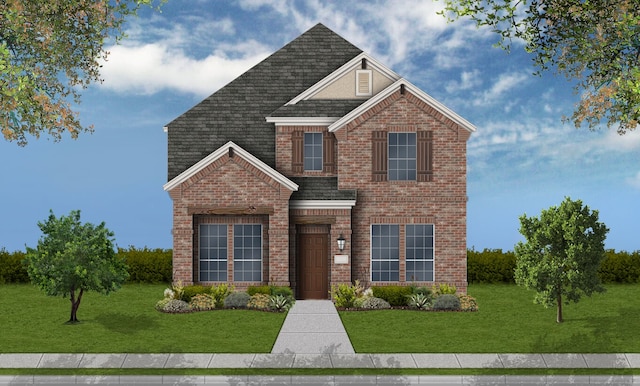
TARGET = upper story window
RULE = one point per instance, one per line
(313, 151)
(402, 156)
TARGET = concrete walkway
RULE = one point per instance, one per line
(313, 327)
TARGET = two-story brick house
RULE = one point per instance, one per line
(319, 166)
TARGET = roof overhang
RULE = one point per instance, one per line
(382, 95)
(302, 121)
(322, 204)
(237, 152)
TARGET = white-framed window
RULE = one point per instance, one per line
(385, 252)
(402, 156)
(247, 252)
(364, 82)
(313, 151)
(419, 252)
(212, 252)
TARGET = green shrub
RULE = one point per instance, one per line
(344, 295)
(175, 306)
(282, 291)
(262, 289)
(395, 295)
(420, 301)
(259, 301)
(237, 300)
(280, 303)
(162, 303)
(620, 267)
(192, 290)
(422, 290)
(202, 302)
(467, 303)
(446, 302)
(148, 265)
(220, 292)
(490, 266)
(373, 303)
(12, 270)
(444, 289)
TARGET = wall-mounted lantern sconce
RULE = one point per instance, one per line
(341, 241)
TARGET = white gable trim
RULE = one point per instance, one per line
(238, 152)
(351, 65)
(426, 98)
(322, 204)
(302, 121)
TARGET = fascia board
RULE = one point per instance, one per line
(302, 121)
(349, 66)
(322, 204)
(238, 151)
(428, 99)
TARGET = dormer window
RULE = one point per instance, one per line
(364, 83)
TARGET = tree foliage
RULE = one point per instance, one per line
(563, 251)
(72, 257)
(596, 42)
(49, 51)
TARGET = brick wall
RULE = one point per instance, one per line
(231, 186)
(441, 202)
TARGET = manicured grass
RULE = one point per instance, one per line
(126, 322)
(507, 322)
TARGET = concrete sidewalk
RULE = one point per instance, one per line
(319, 361)
(313, 327)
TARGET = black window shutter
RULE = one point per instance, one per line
(379, 156)
(328, 152)
(297, 151)
(425, 156)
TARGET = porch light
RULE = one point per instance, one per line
(341, 241)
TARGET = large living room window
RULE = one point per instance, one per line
(385, 252)
(213, 252)
(402, 156)
(419, 252)
(247, 252)
(313, 151)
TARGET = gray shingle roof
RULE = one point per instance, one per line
(237, 111)
(320, 188)
(319, 108)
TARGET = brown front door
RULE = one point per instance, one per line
(313, 278)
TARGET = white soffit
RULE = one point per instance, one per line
(351, 65)
(322, 204)
(237, 151)
(302, 121)
(426, 98)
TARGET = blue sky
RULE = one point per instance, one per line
(521, 160)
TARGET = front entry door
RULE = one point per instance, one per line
(313, 278)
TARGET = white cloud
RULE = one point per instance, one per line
(622, 143)
(634, 181)
(505, 83)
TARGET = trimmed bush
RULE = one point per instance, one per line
(467, 303)
(190, 291)
(490, 266)
(446, 302)
(148, 265)
(262, 289)
(12, 270)
(374, 303)
(395, 295)
(281, 291)
(344, 295)
(620, 267)
(220, 292)
(237, 300)
(202, 302)
(175, 306)
(259, 301)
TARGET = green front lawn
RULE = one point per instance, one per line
(507, 322)
(126, 321)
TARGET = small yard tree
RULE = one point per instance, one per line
(562, 254)
(72, 258)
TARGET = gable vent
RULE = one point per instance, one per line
(364, 86)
